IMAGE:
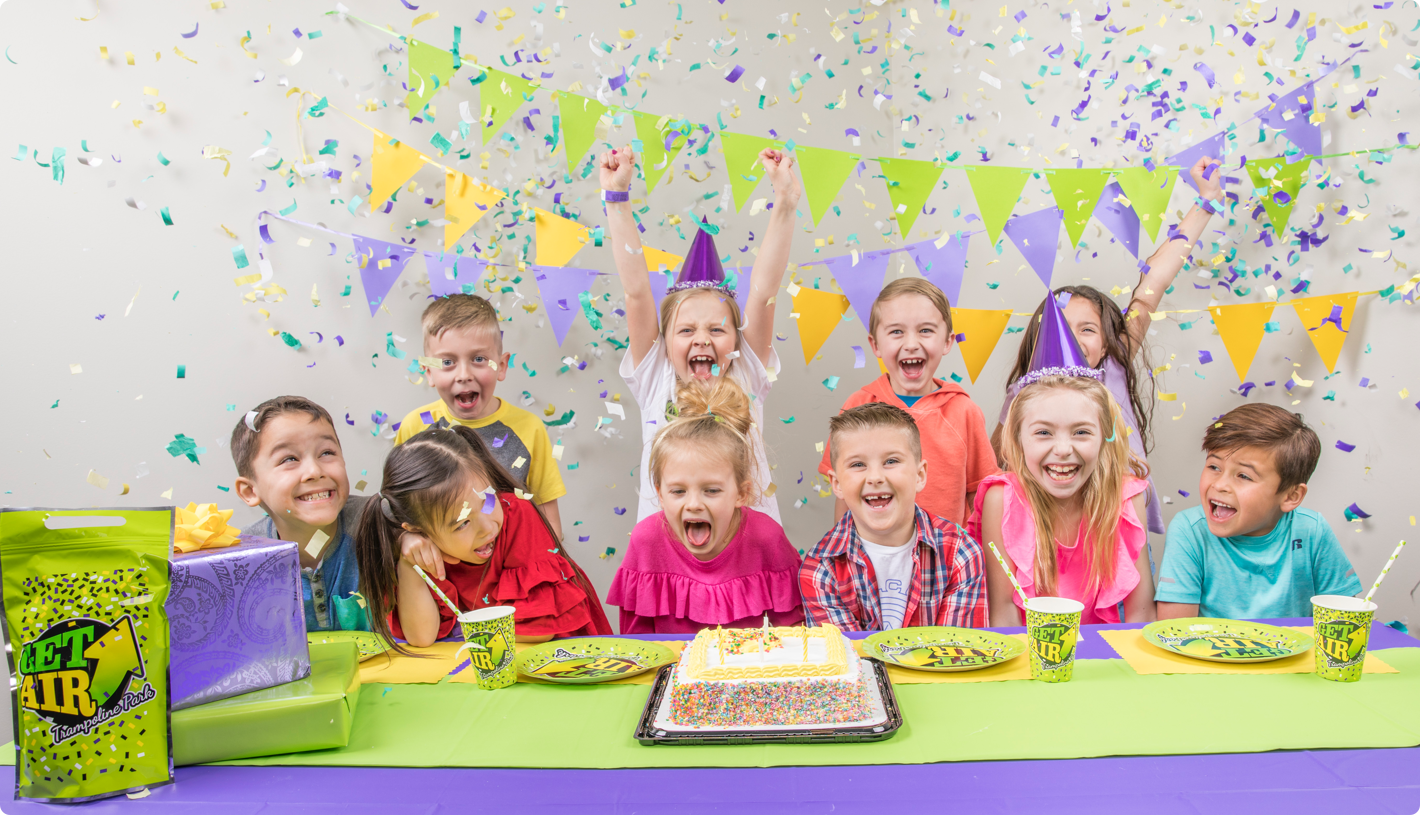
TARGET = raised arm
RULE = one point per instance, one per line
(617, 167)
(1168, 259)
(773, 258)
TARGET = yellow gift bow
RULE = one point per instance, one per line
(203, 526)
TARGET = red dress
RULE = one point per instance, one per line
(528, 573)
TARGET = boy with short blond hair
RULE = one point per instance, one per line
(464, 360)
(289, 463)
(910, 330)
(1250, 551)
(888, 563)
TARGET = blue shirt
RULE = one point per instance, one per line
(1247, 578)
(329, 591)
(908, 400)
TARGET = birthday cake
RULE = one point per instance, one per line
(769, 676)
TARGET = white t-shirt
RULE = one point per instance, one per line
(652, 385)
(893, 567)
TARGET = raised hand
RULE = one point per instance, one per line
(617, 168)
(779, 166)
(1211, 186)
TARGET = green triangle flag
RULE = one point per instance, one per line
(909, 184)
(1279, 209)
(742, 163)
(579, 116)
(655, 158)
(824, 173)
(430, 68)
(1076, 192)
(996, 190)
(1148, 193)
(504, 93)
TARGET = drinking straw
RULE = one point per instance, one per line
(1007, 570)
(1381, 576)
(442, 596)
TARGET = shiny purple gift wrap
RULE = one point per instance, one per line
(236, 620)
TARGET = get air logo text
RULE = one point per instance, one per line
(78, 674)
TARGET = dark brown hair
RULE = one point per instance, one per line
(871, 416)
(1116, 347)
(1294, 447)
(246, 440)
(425, 480)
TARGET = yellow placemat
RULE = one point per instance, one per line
(468, 676)
(1018, 668)
(1146, 658)
(391, 668)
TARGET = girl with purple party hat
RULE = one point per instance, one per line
(699, 332)
(1067, 512)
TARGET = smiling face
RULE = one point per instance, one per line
(701, 501)
(701, 335)
(297, 476)
(1060, 441)
(1084, 319)
(1239, 491)
(468, 363)
(469, 535)
(911, 338)
(878, 476)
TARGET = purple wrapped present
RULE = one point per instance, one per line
(236, 620)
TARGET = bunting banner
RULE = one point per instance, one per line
(1148, 195)
(824, 173)
(1294, 114)
(1076, 193)
(1118, 217)
(430, 68)
(392, 162)
(1241, 327)
(996, 190)
(655, 155)
(381, 264)
(1327, 319)
(661, 266)
(448, 272)
(558, 239)
(860, 276)
(1215, 145)
(909, 183)
(818, 313)
(1036, 235)
(742, 163)
(501, 94)
(578, 117)
(942, 262)
(978, 331)
(465, 201)
(1277, 183)
(562, 289)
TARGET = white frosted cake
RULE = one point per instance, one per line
(769, 676)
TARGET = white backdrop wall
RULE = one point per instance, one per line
(103, 286)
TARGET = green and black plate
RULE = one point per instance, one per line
(1216, 640)
(590, 660)
(941, 648)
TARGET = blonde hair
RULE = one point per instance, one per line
(872, 416)
(712, 417)
(1102, 494)
(460, 311)
(672, 302)
(904, 286)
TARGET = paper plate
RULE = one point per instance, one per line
(369, 643)
(1226, 640)
(939, 648)
(592, 659)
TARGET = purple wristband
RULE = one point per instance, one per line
(615, 197)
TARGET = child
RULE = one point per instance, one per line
(465, 361)
(1249, 551)
(888, 563)
(699, 334)
(479, 542)
(1070, 485)
(910, 330)
(1113, 341)
(706, 558)
(290, 464)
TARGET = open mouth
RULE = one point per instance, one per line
(701, 366)
(912, 367)
(878, 500)
(1220, 511)
(310, 498)
(466, 400)
(697, 533)
(1061, 473)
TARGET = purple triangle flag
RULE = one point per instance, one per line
(376, 281)
(860, 283)
(1035, 235)
(461, 268)
(660, 283)
(561, 288)
(1213, 146)
(741, 286)
(1121, 221)
(942, 267)
(1298, 128)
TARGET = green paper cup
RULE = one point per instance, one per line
(1052, 624)
(488, 638)
(1342, 627)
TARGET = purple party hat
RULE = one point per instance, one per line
(1056, 351)
(702, 267)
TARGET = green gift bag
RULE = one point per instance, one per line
(87, 635)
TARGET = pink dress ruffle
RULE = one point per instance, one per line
(1018, 529)
(663, 589)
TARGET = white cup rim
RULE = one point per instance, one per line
(1054, 605)
(483, 615)
(1338, 602)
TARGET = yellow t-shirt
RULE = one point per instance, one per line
(516, 438)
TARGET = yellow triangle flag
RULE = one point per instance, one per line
(659, 260)
(558, 239)
(1327, 319)
(981, 330)
(1241, 327)
(465, 201)
(392, 163)
(819, 313)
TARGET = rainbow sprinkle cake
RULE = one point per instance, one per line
(769, 676)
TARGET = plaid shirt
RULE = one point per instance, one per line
(948, 579)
